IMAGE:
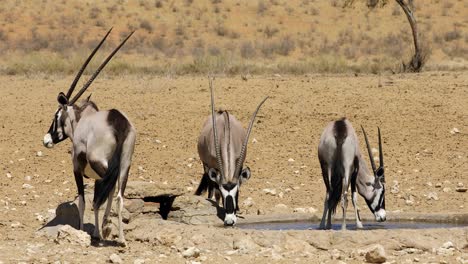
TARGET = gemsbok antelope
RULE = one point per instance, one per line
(342, 163)
(222, 147)
(103, 143)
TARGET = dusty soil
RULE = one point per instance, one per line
(416, 114)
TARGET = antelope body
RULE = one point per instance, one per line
(103, 144)
(222, 147)
(342, 164)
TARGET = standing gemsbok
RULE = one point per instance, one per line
(342, 163)
(103, 143)
(222, 147)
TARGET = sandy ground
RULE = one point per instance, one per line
(416, 114)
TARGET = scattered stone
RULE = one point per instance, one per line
(280, 195)
(248, 202)
(290, 160)
(244, 245)
(69, 235)
(134, 205)
(114, 258)
(432, 196)
(16, 224)
(260, 212)
(191, 252)
(9, 175)
(158, 141)
(27, 178)
(395, 188)
(446, 189)
(460, 184)
(416, 259)
(254, 140)
(447, 249)
(142, 189)
(189, 188)
(454, 131)
(438, 185)
(139, 261)
(270, 191)
(27, 186)
(39, 154)
(461, 189)
(375, 254)
(281, 206)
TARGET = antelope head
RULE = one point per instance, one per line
(64, 120)
(377, 203)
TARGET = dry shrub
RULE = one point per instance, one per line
(270, 31)
(261, 7)
(286, 46)
(146, 25)
(452, 35)
(247, 50)
(94, 12)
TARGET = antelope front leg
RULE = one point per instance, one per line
(356, 210)
(106, 223)
(325, 211)
(344, 202)
(79, 163)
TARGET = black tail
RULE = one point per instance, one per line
(337, 170)
(104, 186)
(204, 185)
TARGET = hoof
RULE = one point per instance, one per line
(106, 231)
(122, 242)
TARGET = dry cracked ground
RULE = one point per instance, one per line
(424, 123)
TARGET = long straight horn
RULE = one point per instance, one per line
(380, 150)
(215, 131)
(240, 161)
(80, 72)
(371, 157)
(88, 83)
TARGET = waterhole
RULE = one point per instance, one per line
(307, 225)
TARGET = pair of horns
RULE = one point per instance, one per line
(80, 72)
(241, 159)
(371, 157)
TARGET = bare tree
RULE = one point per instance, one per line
(420, 55)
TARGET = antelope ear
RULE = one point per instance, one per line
(380, 174)
(213, 174)
(62, 99)
(245, 175)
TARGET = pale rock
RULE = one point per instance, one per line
(395, 188)
(27, 186)
(374, 150)
(139, 261)
(281, 206)
(260, 212)
(461, 189)
(27, 178)
(429, 184)
(446, 189)
(432, 196)
(244, 245)
(460, 184)
(375, 254)
(296, 172)
(114, 258)
(447, 245)
(438, 185)
(191, 252)
(39, 153)
(290, 160)
(270, 191)
(254, 140)
(280, 195)
(189, 188)
(454, 131)
(189, 165)
(335, 254)
(158, 141)
(248, 202)
(9, 175)
(16, 224)
(69, 235)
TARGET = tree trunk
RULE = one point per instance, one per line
(418, 60)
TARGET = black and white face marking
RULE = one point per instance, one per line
(230, 193)
(56, 131)
(377, 204)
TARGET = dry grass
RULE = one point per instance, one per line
(263, 36)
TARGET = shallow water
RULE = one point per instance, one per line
(305, 225)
